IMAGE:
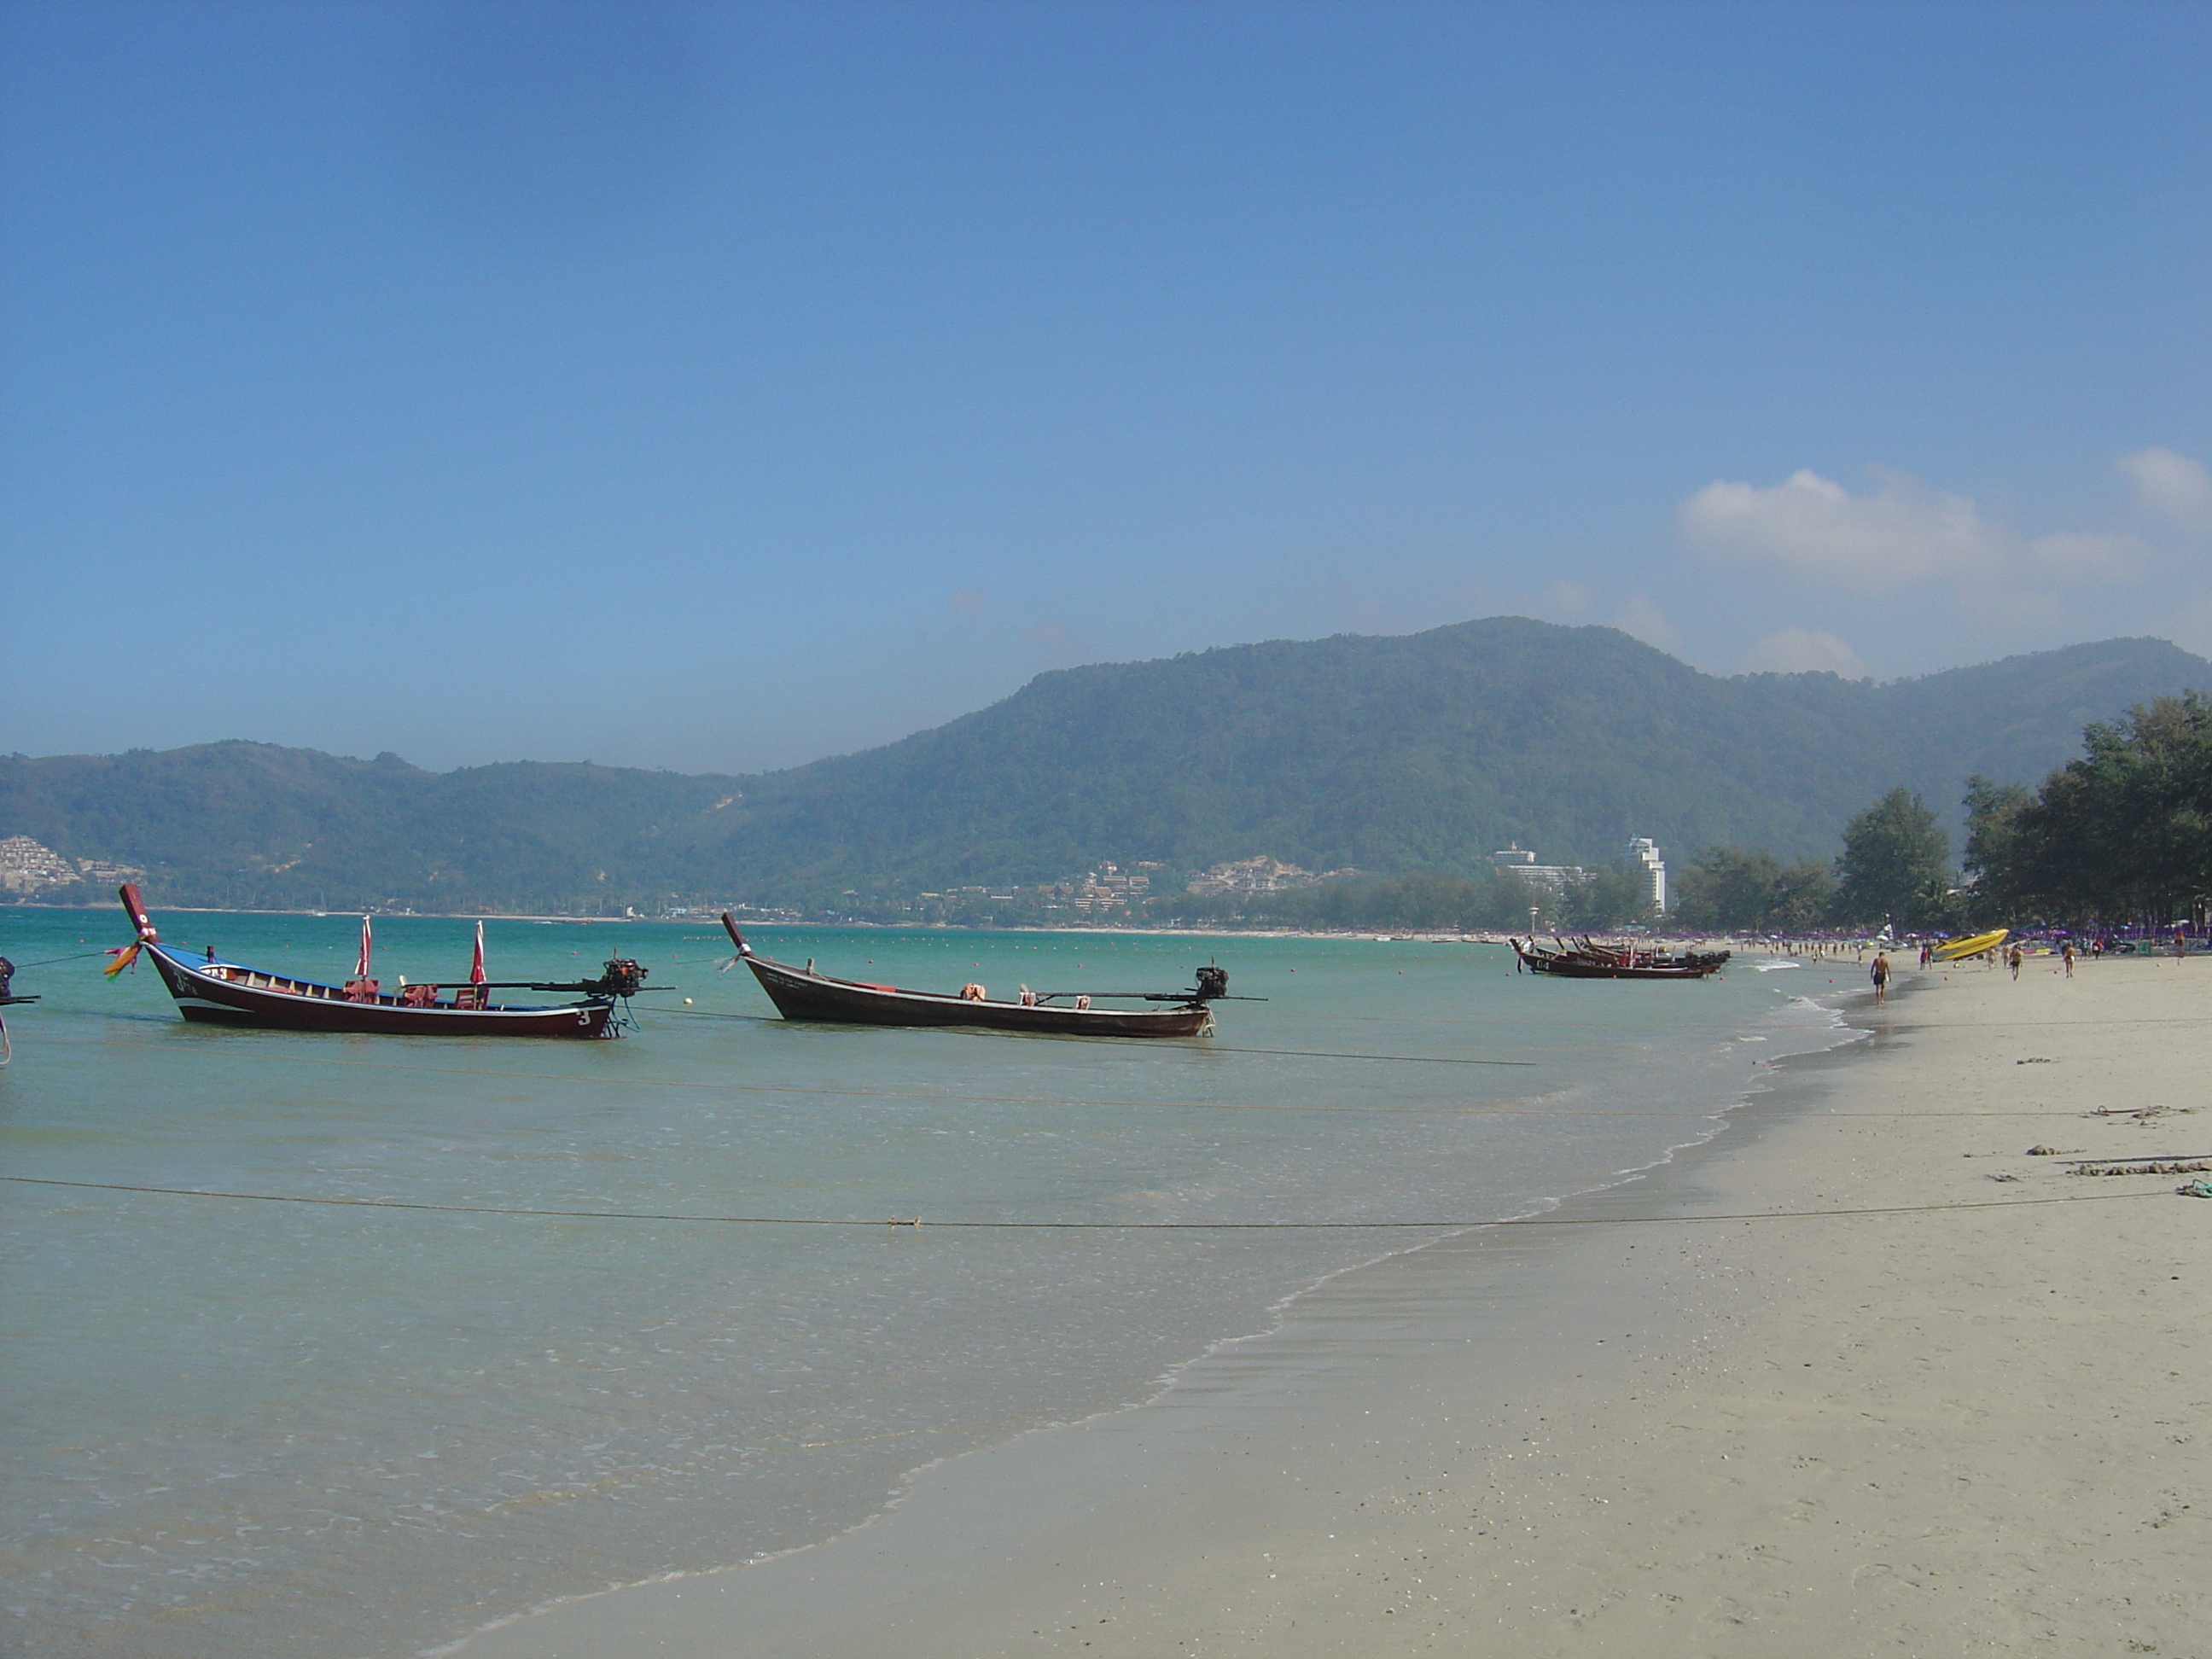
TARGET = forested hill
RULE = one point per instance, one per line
(1422, 752)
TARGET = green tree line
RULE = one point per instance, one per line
(1611, 896)
(2123, 833)
(1894, 868)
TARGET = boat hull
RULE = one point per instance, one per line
(1953, 950)
(801, 995)
(1599, 970)
(1582, 964)
(223, 994)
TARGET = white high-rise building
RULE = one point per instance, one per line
(1646, 851)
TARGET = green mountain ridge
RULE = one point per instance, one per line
(1386, 753)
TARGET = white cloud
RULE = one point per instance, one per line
(2169, 486)
(1811, 527)
(1905, 535)
(1644, 619)
(1802, 651)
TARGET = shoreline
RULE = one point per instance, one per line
(1669, 1432)
(1417, 936)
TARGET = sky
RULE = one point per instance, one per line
(719, 386)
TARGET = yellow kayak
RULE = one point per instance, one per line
(1952, 950)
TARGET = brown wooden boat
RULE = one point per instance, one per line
(226, 994)
(1585, 959)
(806, 993)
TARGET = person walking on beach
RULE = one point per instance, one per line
(1879, 974)
(2018, 957)
(2066, 954)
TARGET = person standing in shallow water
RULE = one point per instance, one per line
(1879, 974)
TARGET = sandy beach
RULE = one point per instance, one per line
(1863, 1376)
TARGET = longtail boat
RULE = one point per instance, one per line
(226, 993)
(804, 994)
(1587, 959)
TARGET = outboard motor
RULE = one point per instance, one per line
(1212, 983)
(624, 977)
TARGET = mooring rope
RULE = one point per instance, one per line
(82, 956)
(1053, 1226)
(1686, 1115)
(1210, 1048)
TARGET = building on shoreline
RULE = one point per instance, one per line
(1644, 853)
(1515, 860)
(1241, 877)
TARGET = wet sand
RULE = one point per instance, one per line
(1861, 1376)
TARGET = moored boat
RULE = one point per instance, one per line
(1586, 959)
(806, 993)
(227, 994)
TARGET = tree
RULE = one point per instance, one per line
(1895, 864)
(1728, 889)
(2124, 831)
(1725, 889)
(1991, 858)
(1804, 895)
(1611, 896)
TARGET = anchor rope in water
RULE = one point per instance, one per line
(1455, 1224)
(82, 956)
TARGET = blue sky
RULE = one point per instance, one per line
(719, 386)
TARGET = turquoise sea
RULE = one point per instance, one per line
(233, 1427)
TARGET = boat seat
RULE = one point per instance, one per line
(360, 990)
(419, 996)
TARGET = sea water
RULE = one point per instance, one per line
(248, 1425)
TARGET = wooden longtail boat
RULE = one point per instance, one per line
(803, 994)
(1586, 960)
(225, 993)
